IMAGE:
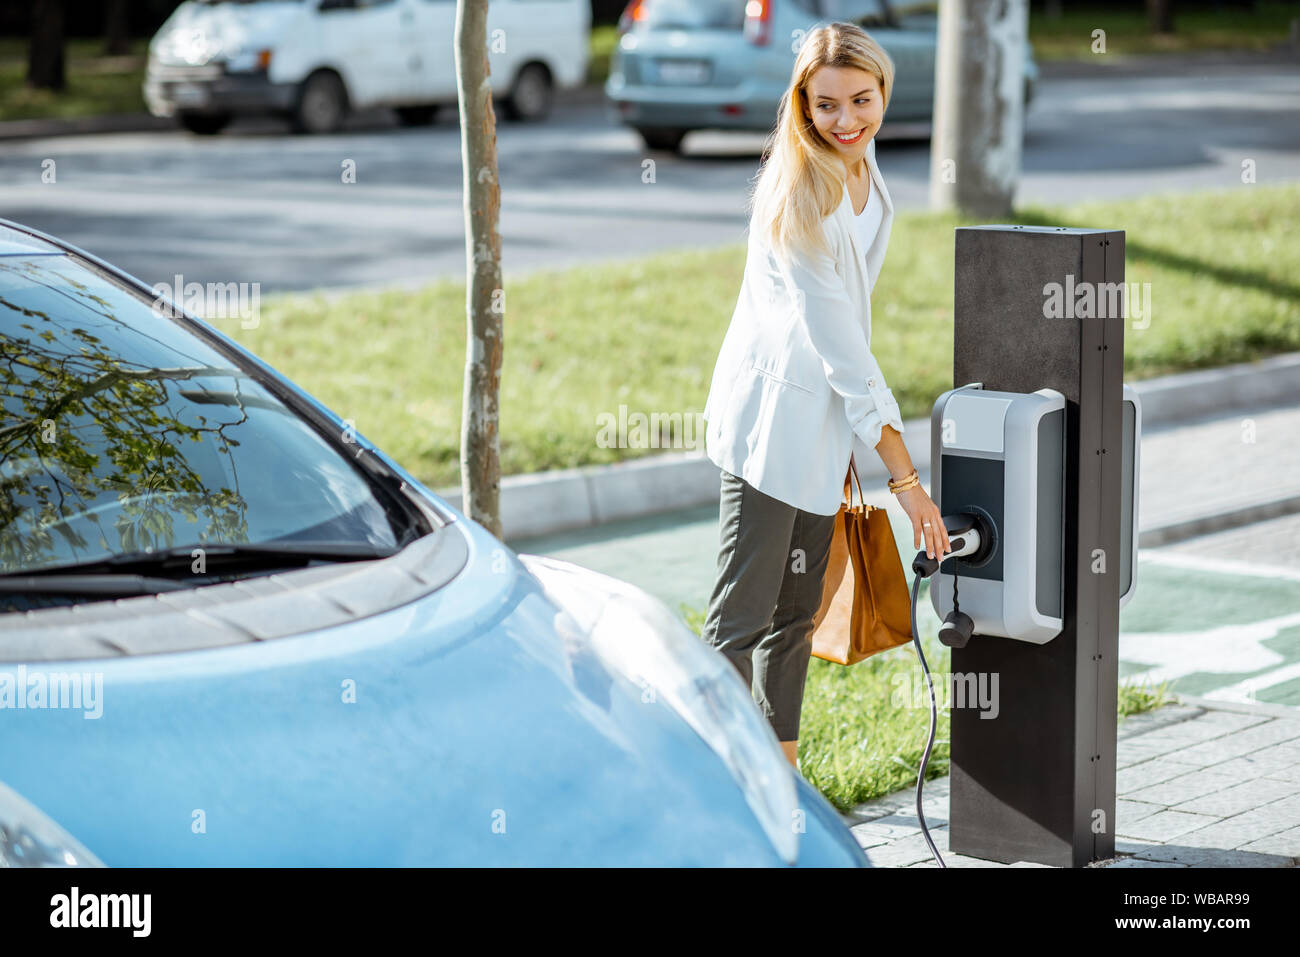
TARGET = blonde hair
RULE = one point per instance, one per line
(802, 180)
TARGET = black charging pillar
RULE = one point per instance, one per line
(1037, 782)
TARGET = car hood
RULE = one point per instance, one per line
(457, 729)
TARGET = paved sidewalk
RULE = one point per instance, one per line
(1220, 464)
(1198, 784)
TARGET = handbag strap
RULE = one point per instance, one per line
(848, 491)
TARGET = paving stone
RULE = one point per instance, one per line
(1272, 732)
(866, 841)
(1150, 772)
(1210, 725)
(934, 813)
(1230, 720)
(1136, 724)
(1130, 812)
(874, 810)
(1140, 862)
(1239, 798)
(1237, 831)
(1126, 756)
(1165, 825)
(1291, 774)
(1286, 844)
(1283, 751)
(907, 850)
(886, 829)
(960, 861)
(1211, 856)
(1259, 764)
(1132, 845)
(1207, 754)
(1126, 759)
(1188, 786)
(937, 786)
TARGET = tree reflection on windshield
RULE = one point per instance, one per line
(123, 432)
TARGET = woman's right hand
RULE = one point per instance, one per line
(927, 522)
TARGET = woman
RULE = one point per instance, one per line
(796, 391)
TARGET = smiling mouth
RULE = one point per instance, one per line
(849, 140)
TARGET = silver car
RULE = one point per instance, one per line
(683, 65)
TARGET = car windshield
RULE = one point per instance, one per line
(868, 13)
(694, 14)
(123, 431)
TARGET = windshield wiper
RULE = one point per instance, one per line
(102, 586)
(219, 558)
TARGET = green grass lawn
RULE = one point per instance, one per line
(97, 85)
(864, 728)
(1070, 36)
(645, 334)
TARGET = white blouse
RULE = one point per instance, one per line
(867, 222)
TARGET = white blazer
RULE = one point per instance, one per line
(796, 390)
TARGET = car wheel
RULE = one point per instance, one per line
(530, 97)
(205, 124)
(322, 104)
(416, 115)
(662, 138)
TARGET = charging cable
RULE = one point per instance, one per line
(970, 536)
(934, 714)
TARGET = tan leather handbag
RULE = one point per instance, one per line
(866, 606)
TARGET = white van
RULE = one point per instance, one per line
(314, 60)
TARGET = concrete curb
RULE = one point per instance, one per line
(543, 502)
(84, 125)
(1191, 395)
(1122, 64)
(1242, 707)
(1218, 522)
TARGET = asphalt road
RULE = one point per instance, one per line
(258, 205)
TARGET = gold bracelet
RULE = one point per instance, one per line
(894, 483)
(912, 480)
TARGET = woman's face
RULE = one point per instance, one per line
(845, 100)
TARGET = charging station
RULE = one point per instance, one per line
(1035, 465)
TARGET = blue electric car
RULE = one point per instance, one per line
(233, 632)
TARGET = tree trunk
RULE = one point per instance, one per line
(117, 28)
(1160, 15)
(480, 445)
(45, 67)
(979, 106)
